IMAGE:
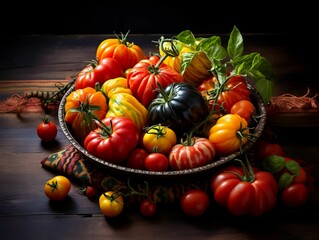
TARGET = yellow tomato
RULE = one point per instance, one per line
(160, 139)
(111, 203)
(57, 188)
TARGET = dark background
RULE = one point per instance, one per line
(93, 17)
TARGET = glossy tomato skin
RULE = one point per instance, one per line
(47, 130)
(57, 188)
(180, 106)
(294, 195)
(234, 90)
(136, 158)
(126, 53)
(158, 138)
(144, 76)
(100, 72)
(199, 153)
(244, 197)
(148, 208)
(244, 108)
(111, 204)
(194, 202)
(157, 162)
(116, 145)
(229, 134)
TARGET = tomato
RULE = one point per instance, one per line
(136, 158)
(148, 208)
(47, 130)
(111, 203)
(126, 53)
(156, 162)
(198, 64)
(294, 195)
(98, 72)
(194, 202)
(244, 108)
(230, 92)
(57, 188)
(82, 105)
(91, 192)
(192, 153)
(244, 193)
(265, 148)
(144, 76)
(229, 134)
(158, 138)
(113, 140)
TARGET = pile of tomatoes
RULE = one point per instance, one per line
(179, 109)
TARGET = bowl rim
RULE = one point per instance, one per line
(257, 131)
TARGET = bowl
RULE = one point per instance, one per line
(166, 176)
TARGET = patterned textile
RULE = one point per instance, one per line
(72, 163)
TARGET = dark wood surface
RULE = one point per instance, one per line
(26, 213)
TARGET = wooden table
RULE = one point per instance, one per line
(26, 213)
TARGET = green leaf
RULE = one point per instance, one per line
(273, 164)
(186, 37)
(216, 52)
(186, 60)
(293, 167)
(285, 180)
(265, 88)
(206, 43)
(235, 45)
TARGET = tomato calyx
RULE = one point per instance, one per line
(123, 39)
(249, 175)
(53, 185)
(46, 119)
(113, 197)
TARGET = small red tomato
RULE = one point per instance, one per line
(156, 162)
(148, 208)
(294, 195)
(244, 108)
(136, 158)
(91, 192)
(266, 149)
(47, 130)
(195, 202)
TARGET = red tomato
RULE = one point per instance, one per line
(148, 208)
(143, 77)
(47, 130)
(136, 158)
(156, 162)
(266, 149)
(294, 195)
(200, 152)
(98, 72)
(253, 196)
(234, 90)
(194, 202)
(91, 192)
(244, 108)
(114, 140)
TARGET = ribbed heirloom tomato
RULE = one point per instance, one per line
(113, 140)
(126, 53)
(251, 192)
(229, 134)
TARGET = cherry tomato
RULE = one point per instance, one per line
(91, 192)
(195, 202)
(148, 208)
(111, 203)
(158, 138)
(266, 149)
(156, 162)
(294, 195)
(47, 130)
(57, 188)
(136, 158)
(244, 108)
